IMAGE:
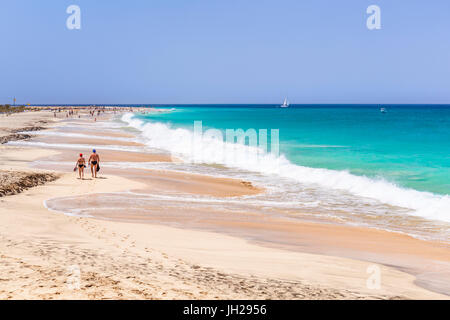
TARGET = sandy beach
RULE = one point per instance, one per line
(120, 247)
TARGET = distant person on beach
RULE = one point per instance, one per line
(94, 160)
(81, 164)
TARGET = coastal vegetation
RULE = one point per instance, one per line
(6, 108)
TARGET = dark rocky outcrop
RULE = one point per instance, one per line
(12, 182)
(14, 137)
(28, 129)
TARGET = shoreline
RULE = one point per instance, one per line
(343, 280)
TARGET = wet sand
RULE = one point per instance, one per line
(428, 261)
(87, 141)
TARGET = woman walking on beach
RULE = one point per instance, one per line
(94, 160)
(81, 164)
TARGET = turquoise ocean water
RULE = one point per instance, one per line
(408, 145)
(398, 161)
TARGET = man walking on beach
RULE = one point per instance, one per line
(94, 160)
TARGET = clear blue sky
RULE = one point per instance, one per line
(225, 51)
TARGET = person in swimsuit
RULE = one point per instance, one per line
(81, 164)
(94, 160)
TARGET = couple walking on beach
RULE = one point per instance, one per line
(94, 162)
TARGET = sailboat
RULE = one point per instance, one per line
(285, 103)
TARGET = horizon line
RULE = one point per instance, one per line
(216, 104)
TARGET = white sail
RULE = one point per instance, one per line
(285, 103)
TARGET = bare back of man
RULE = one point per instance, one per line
(94, 160)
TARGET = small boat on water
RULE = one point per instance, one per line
(285, 103)
(383, 110)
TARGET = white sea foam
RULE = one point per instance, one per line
(71, 213)
(182, 143)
